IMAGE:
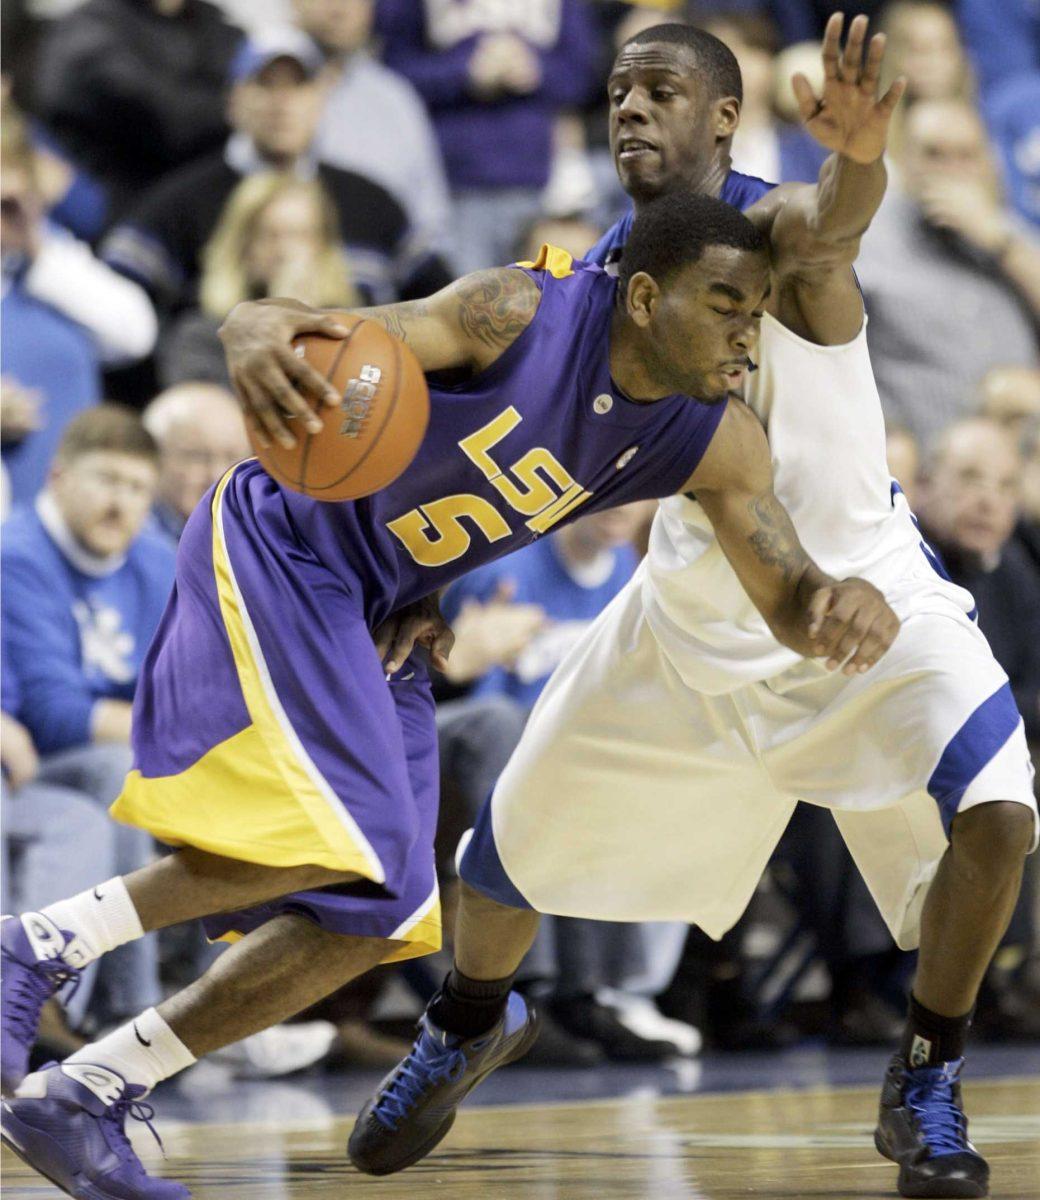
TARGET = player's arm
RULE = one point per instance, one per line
(815, 231)
(465, 326)
(806, 609)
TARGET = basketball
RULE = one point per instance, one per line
(374, 433)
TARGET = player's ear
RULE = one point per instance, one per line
(726, 116)
(641, 298)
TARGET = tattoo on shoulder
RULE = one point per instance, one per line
(496, 306)
(774, 540)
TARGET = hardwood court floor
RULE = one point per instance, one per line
(802, 1145)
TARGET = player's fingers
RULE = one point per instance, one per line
(334, 325)
(819, 605)
(402, 644)
(257, 430)
(870, 649)
(832, 45)
(442, 645)
(256, 396)
(306, 383)
(844, 645)
(852, 60)
(384, 637)
(872, 65)
(808, 104)
(891, 98)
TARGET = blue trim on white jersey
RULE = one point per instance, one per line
(931, 554)
(481, 867)
(970, 749)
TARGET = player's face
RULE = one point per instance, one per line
(705, 324)
(104, 497)
(279, 109)
(663, 128)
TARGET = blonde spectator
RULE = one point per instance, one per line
(277, 236)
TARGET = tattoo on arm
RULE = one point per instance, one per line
(496, 306)
(396, 318)
(774, 540)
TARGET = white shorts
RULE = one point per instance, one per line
(632, 797)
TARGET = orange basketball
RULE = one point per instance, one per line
(374, 433)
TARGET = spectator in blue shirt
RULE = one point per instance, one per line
(83, 591)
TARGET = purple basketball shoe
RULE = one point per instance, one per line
(68, 1124)
(38, 958)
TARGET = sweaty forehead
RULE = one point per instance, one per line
(654, 56)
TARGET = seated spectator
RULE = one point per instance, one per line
(83, 592)
(493, 77)
(277, 236)
(968, 508)
(924, 44)
(199, 430)
(65, 315)
(904, 460)
(134, 88)
(777, 150)
(275, 105)
(395, 143)
(50, 836)
(1011, 396)
(952, 279)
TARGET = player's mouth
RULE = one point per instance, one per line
(631, 149)
(733, 373)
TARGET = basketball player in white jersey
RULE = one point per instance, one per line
(666, 755)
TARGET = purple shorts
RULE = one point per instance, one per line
(266, 730)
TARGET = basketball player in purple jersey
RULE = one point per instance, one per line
(674, 95)
(297, 778)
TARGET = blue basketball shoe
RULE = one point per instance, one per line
(68, 1124)
(416, 1103)
(34, 964)
(922, 1127)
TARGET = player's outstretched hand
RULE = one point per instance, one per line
(849, 117)
(851, 620)
(271, 381)
(420, 624)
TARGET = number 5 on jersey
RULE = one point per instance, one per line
(536, 486)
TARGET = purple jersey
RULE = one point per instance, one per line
(540, 437)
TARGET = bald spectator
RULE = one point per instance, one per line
(952, 279)
(199, 430)
(968, 506)
(1011, 395)
(904, 460)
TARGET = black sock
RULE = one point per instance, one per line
(469, 1007)
(930, 1039)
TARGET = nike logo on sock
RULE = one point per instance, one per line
(98, 895)
(143, 1041)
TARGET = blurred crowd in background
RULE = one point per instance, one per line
(164, 159)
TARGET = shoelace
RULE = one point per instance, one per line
(929, 1096)
(412, 1079)
(115, 1121)
(33, 988)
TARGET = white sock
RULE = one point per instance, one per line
(99, 920)
(143, 1051)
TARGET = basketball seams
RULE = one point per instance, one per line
(305, 454)
(376, 437)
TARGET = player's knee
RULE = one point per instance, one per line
(996, 836)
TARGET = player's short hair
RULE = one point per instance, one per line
(106, 427)
(672, 231)
(714, 61)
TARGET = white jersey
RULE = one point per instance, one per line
(822, 414)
